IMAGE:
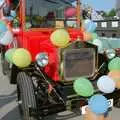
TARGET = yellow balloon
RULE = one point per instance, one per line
(22, 58)
(87, 36)
(60, 38)
(115, 75)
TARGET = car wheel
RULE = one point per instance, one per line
(117, 103)
(26, 96)
(4, 63)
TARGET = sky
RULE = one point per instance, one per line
(105, 5)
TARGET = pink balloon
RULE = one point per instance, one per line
(70, 12)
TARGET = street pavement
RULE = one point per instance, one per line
(9, 107)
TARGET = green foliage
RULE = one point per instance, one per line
(104, 14)
(112, 13)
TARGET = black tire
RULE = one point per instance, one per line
(26, 95)
(4, 63)
(117, 103)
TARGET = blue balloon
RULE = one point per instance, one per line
(89, 25)
(98, 104)
(9, 18)
(92, 27)
(3, 26)
(12, 15)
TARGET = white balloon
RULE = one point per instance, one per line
(7, 38)
(106, 84)
(1, 2)
(13, 13)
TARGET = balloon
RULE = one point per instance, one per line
(115, 75)
(92, 116)
(3, 26)
(114, 64)
(9, 18)
(89, 25)
(9, 54)
(106, 84)
(60, 38)
(87, 22)
(83, 87)
(117, 82)
(1, 2)
(94, 36)
(99, 44)
(87, 36)
(70, 12)
(98, 104)
(92, 27)
(7, 38)
(13, 13)
(21, 58)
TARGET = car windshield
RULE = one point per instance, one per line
(49, 13)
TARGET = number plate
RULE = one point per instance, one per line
(110, 101)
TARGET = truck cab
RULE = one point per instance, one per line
(36, 22)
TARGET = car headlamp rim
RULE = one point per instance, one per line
(42, 59)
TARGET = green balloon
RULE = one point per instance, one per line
(9, 54)
(94, 36)
(83, 87)
(114, 64)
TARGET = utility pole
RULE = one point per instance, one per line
(118, 7)
(78, 13)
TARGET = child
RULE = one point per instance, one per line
(92, 116)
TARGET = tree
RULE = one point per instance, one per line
(104, 14)
(112, 13)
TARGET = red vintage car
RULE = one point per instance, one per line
(49, 89)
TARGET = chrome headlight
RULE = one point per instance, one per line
(42, 59)
(110, 53)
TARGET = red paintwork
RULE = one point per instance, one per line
(38, 40)
(34, 41)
